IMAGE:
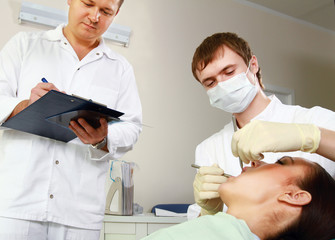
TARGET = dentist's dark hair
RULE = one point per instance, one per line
(317, 219)
(210, 47)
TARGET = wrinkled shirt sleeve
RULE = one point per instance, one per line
(10, 62)
(123, 135)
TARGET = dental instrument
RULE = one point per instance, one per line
(235, 129)
(224, 174)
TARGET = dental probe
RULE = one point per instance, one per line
(235, 129)
(224, 174)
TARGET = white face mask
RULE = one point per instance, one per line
(233, 95)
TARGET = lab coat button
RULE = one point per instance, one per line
(78, 69)
(97, 53)
(51, 196)
(65, 43)
(57, 162)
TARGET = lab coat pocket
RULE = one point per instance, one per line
(82, 234)
(14, 164)
(105, 96)
(92, 185)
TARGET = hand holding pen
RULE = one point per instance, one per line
(36, 93)
(40, 90)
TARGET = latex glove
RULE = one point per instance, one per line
(258, 136)
(206, 184)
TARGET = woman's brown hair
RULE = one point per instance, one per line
(317, 219)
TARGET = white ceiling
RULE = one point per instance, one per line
(317, 12)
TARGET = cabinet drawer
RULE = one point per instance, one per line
(152, 227)
(120, 228)
(119, 237)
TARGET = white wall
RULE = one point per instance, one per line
(164, 37)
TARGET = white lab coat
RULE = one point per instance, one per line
(217, 148)
(46, 180)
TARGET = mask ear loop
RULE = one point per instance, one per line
(248, 68)
(254, 80)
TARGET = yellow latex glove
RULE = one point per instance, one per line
(206, 184)
(258, 136)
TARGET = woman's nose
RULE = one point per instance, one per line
(256, 164)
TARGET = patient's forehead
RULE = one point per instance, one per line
(291, 167)
(303, 161)
(296, 161)
(304, 165)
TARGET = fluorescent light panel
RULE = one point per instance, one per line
(44, 15)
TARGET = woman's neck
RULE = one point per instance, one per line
(260, 102)
(266, 220)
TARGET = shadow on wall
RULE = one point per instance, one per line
(314, 83)
(15, 8)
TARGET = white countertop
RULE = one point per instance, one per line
(147, 218)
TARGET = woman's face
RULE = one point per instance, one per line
(262, 182)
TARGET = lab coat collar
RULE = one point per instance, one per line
(269, 112)
(57, 35)
(106, 50)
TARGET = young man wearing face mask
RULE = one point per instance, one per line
(227, 69)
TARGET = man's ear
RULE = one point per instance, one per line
(254, 64)
(299, 197)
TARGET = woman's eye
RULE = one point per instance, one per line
(285, 161)
(279, 161)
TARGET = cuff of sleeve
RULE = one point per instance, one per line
(214, 211)
(97, 154)
(193, 211)
(311, 137)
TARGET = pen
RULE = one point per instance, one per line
(44, 80)
(224, 174)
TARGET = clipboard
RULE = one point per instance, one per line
(50, 115)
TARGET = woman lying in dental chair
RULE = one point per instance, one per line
(291, 199)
